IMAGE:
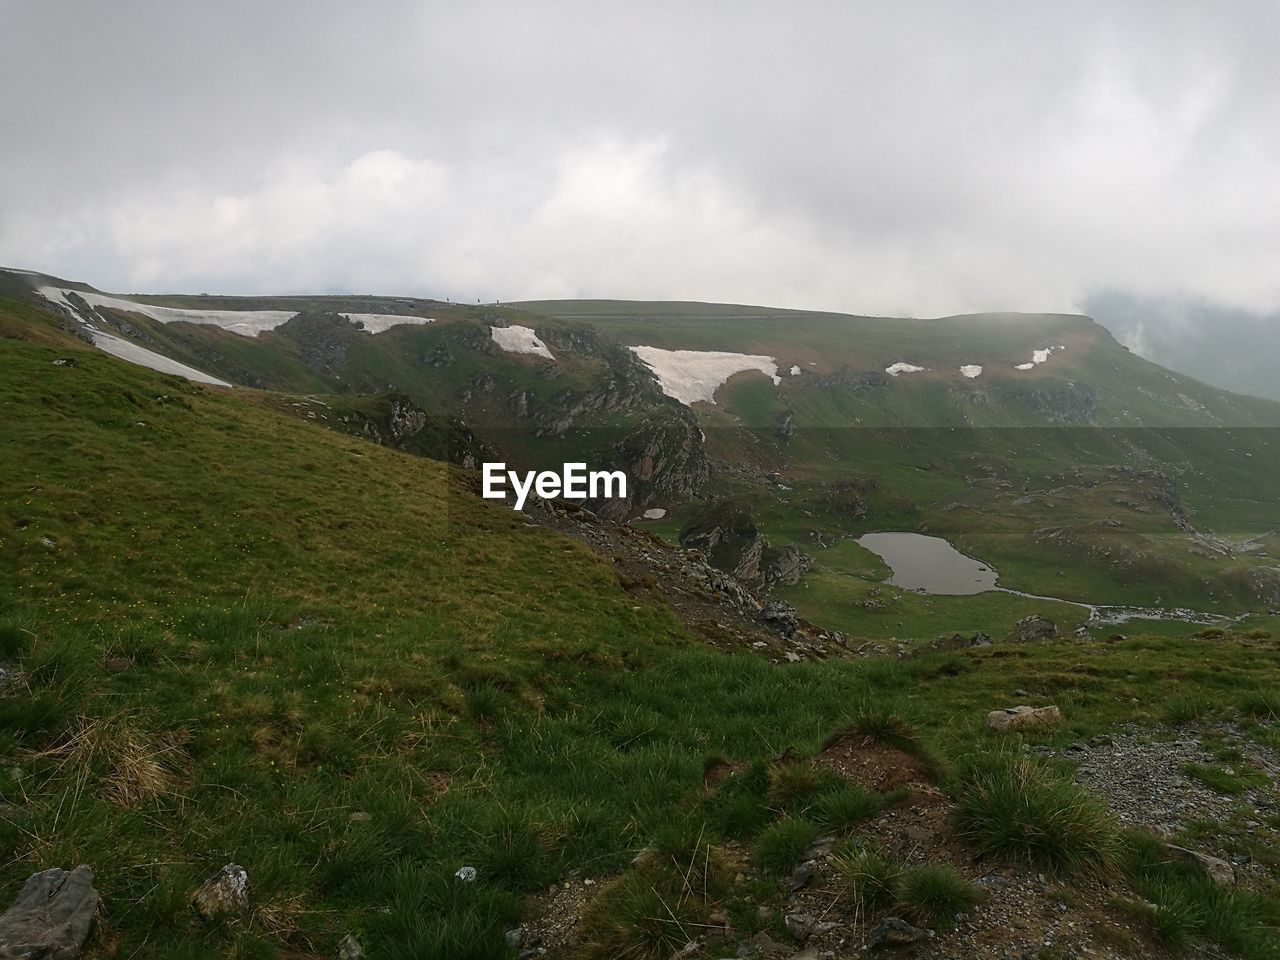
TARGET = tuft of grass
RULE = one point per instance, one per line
(14, 642)
(879, 722)
(1011, 807)
(1261, 705)
(654, 910)
(791, 784)
(1182, 710)
(869, 880)
(932, 895)
(781, 845)
(844, 805)
(1224, 781)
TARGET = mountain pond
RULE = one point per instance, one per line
(931, 565)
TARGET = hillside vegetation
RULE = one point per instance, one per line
(231, 635)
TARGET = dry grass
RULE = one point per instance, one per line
(134, 765)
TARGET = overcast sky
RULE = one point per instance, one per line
(918, 158)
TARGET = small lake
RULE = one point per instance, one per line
(932, 565)
(929, 564)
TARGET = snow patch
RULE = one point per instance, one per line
(691, 376)
(795, 371)
(119, 347)
(246, 323)
(896, 368)
(518, 339)
(971, 370)
(1039, 357)
(382, 322)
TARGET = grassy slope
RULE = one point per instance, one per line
(319, 627)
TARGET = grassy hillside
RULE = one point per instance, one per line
(1095, 476)
(240, 637)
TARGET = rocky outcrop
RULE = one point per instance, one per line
(1033, 629)
(664, 459)
(725, 531)
(894, 933)
(783, 565)
(851, 497)
(323, 340)
(394, 420)
(1070, 403)
(51, 917)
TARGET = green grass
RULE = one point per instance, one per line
(1225, 781)
(1187, 908)
(927, 894)
(781, 845)
(869, 880)
(932, 895)
(1008, 806)
(351, 676)
(844, 806)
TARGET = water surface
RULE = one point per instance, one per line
(929, 564)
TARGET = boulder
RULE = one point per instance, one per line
(1034, 629)
(1221, 871)
(224, 894)
(783, 565)
(349, 948)
(1018, 718)
(780, 616)
(51, 917)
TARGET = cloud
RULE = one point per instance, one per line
(919, 159)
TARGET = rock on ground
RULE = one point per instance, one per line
(350, 949)
(1017, 718)
(51, 917)
(226, 893)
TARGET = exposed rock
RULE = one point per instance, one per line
(51, 917)
(726, 533)
(801, 876)
(783, 565)
(226, 893)
(802, 926)
(958, 641)
(1221, 871)
(897, 933)
(1064, 402)
(1017, 718)
(781, 617)
(349, 948)
(851, 496)
(1034, 628)
(405, 419)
